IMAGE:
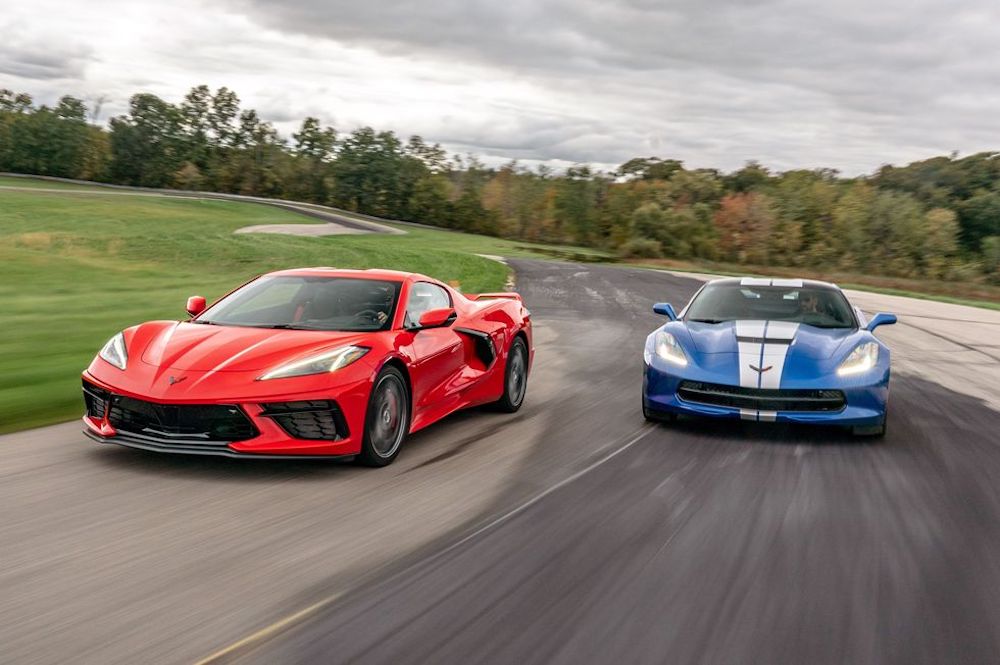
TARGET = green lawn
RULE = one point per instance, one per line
(76, 268)
(37, 183)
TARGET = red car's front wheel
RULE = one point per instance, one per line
(515, 377)
(388, 419)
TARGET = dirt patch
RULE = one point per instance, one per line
(312, 230)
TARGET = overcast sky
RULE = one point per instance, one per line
(848, 84)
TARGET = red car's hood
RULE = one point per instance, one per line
(208, 348)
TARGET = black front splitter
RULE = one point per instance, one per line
(216, 449)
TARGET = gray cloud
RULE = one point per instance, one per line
(794, 82)
(27, 59)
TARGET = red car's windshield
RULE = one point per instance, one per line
(308, 303)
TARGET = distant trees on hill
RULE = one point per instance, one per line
(938, 218)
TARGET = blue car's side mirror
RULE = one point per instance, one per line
(666, 309)
(880, 319)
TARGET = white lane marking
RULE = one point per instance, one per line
(748, 414)
(276, 627)
(767, 416)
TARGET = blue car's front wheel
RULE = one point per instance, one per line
(873, 431)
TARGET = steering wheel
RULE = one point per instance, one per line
(370, 314)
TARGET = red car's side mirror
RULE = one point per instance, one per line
(196, 305)
(436, 318)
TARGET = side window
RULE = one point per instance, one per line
(424, 296)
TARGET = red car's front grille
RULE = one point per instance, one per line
(169, 422)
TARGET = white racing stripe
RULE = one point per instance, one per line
(764, 281)
(763, 347)
(773, 356)
(748, 334)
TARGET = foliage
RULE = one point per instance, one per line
(930, 219)
(641, 248)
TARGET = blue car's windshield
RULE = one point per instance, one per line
(819, 306)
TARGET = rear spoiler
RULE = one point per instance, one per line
(503, 294)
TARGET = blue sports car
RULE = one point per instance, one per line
(786, 350)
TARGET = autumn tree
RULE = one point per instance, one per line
(743, 225)
(935, 218)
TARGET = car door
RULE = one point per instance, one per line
(437, 353)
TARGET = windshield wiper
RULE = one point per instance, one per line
(205, 323)
(708, 320)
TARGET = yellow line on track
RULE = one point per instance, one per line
(268, 631)
(281, 624)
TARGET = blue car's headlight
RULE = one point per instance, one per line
(665, 345)
(861, 359)
(328, 361)
(114, 352)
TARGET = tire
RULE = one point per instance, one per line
(515, 377)
(873, 431)
(657, 416)
(387, 420)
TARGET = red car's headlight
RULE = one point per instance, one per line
(328, 361)
(114, 353)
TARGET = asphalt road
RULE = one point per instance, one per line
(571, 532)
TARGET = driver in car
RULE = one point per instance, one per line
(810, 304)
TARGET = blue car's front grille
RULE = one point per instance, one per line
(761, 398)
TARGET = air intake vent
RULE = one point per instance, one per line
(761, 398)
(313, 420)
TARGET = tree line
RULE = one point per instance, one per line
(938, 218)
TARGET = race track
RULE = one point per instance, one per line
(571, 532)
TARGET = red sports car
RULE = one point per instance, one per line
(314, 362)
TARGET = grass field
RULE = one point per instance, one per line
(76, 268)
(36, 183)
(81, 263)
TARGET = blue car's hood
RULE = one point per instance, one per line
(763, 354)
(804, 340)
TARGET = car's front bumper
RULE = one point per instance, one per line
(865, 402)
(270, 436)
